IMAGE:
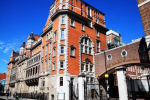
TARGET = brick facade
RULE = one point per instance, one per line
(145, 15)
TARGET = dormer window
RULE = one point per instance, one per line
(89, 12)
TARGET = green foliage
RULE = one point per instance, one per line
(1, 87)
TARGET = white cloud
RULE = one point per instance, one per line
(1, 42)
(4, 60)
(11, 44)
(6, 50)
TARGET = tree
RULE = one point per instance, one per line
(1, 87)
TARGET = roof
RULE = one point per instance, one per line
(2, 76)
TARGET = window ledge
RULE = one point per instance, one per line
(87, 54)
(83, 30)
(90, 27)
(72, 26)
(62, 39)
(61, 68)
(63, 24)
(72, 56)
(54, 42)
(62, 54)
(54, 56)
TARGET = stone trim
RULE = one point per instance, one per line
(143, 3)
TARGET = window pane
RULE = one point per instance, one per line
(63, 20)
(62, 34)
(82, 67)
(61, 81)
(85, 41)
(62, 50)
(91, 68)
(72, 51)
(86, 67)
(90, 50)
(72, 22)
(61, 64)
(82, 48)
(86, 49)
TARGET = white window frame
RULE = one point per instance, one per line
(63, 7)
(54, 51)
(63, 20)
(63, 64)
(42, 67)
(61, 79)
(61, 50)
(92, 67)
(49, 64)
(43, 51)
(97, 33)
(98, 46)
(89, 13)
(50, 47)
(62, 34)
(46, 50)
(72, 49)
(72, 24)
(45, 65)
(82, 27)
(53, 66)
(55, 35)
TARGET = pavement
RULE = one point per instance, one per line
(11, 98)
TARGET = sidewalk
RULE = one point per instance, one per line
(11, 98)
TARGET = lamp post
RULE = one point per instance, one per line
(106, 76)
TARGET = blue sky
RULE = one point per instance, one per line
(18, 18)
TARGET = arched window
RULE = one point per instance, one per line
(87, 66)
(86, 46)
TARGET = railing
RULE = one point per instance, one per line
(32, 61)
(37, 96)
(13, 81)
(14, 71)
(32, 77)
(45, 73)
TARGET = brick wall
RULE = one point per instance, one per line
(145, 16)
(117, 60)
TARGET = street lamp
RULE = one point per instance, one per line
(106, 76)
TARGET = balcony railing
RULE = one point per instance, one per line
(33, 60)
(32, 77)
(13, 81)
(45, 73)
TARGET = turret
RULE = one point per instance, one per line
(30, 40)
(22, 48)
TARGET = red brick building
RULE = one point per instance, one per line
(51, 62)
(144, 8)
(2, 76)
